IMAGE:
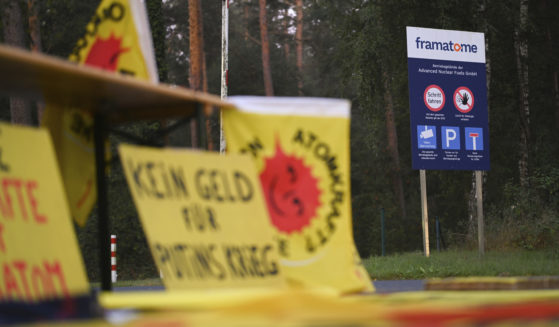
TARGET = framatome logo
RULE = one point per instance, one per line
(445, 46)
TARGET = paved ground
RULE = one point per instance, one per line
(391, 286)
(138, 288)
(381, 286)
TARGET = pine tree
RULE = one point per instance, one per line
(14, 35)
(265, 46)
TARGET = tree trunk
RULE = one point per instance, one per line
(156, 23)
(521, 47)
(555, 87)
(552, 68)
(204, 76)
(392, 136)
(207, 109)
(35, 35)
(299, 43)
(246, 16)
(34, 25)
(286, 47)
(472, 210)
(12, 20)
(555, 92)
(195, 34)
(196, 61)
(266, 69)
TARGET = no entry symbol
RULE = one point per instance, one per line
(463, 99)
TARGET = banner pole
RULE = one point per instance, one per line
(424, 214)
(113, 259)
(224, 66)
(480, 223)
(104, 237)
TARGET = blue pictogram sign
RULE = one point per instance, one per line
(450, 137)
(426, 137)
(474, 138)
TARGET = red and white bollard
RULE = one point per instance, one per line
(113, 258)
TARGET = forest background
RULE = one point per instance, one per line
(354, 49)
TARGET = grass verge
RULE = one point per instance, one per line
(458, 263)
(450, 263)
(133, 283)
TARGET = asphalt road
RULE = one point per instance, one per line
(391, 286)
(381, 286)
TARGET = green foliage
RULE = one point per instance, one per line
(134, 260)
(151, 282)
(245, 64)
(156, 21)
(528, 218)
(371, 41)
(459, 263)
(175, 22)
(59, 34)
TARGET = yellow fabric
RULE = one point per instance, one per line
(300, 308)
(204, 217)
(201, 299)
(111, 42)
(39, 254)
(301, 150)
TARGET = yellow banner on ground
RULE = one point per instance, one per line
(116, 39)
(301, 150)
(204, 217)
(39, 254)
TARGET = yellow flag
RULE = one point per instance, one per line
(116, 39)
(301, 150)
(39, 254)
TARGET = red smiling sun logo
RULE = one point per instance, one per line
(291, 191)
(105, 53)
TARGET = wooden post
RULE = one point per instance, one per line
(424, 213)
(480, 223)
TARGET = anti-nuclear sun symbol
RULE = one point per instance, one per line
(291, 191)
(105, 53)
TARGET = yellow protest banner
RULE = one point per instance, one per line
(116, 39)
(204, 218)
(39, 254)
(301, 150)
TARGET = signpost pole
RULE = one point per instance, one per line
(224, 65)
(480, 224)
(424, 214)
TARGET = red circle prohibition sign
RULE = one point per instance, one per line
(430, 106)
(463, 99)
